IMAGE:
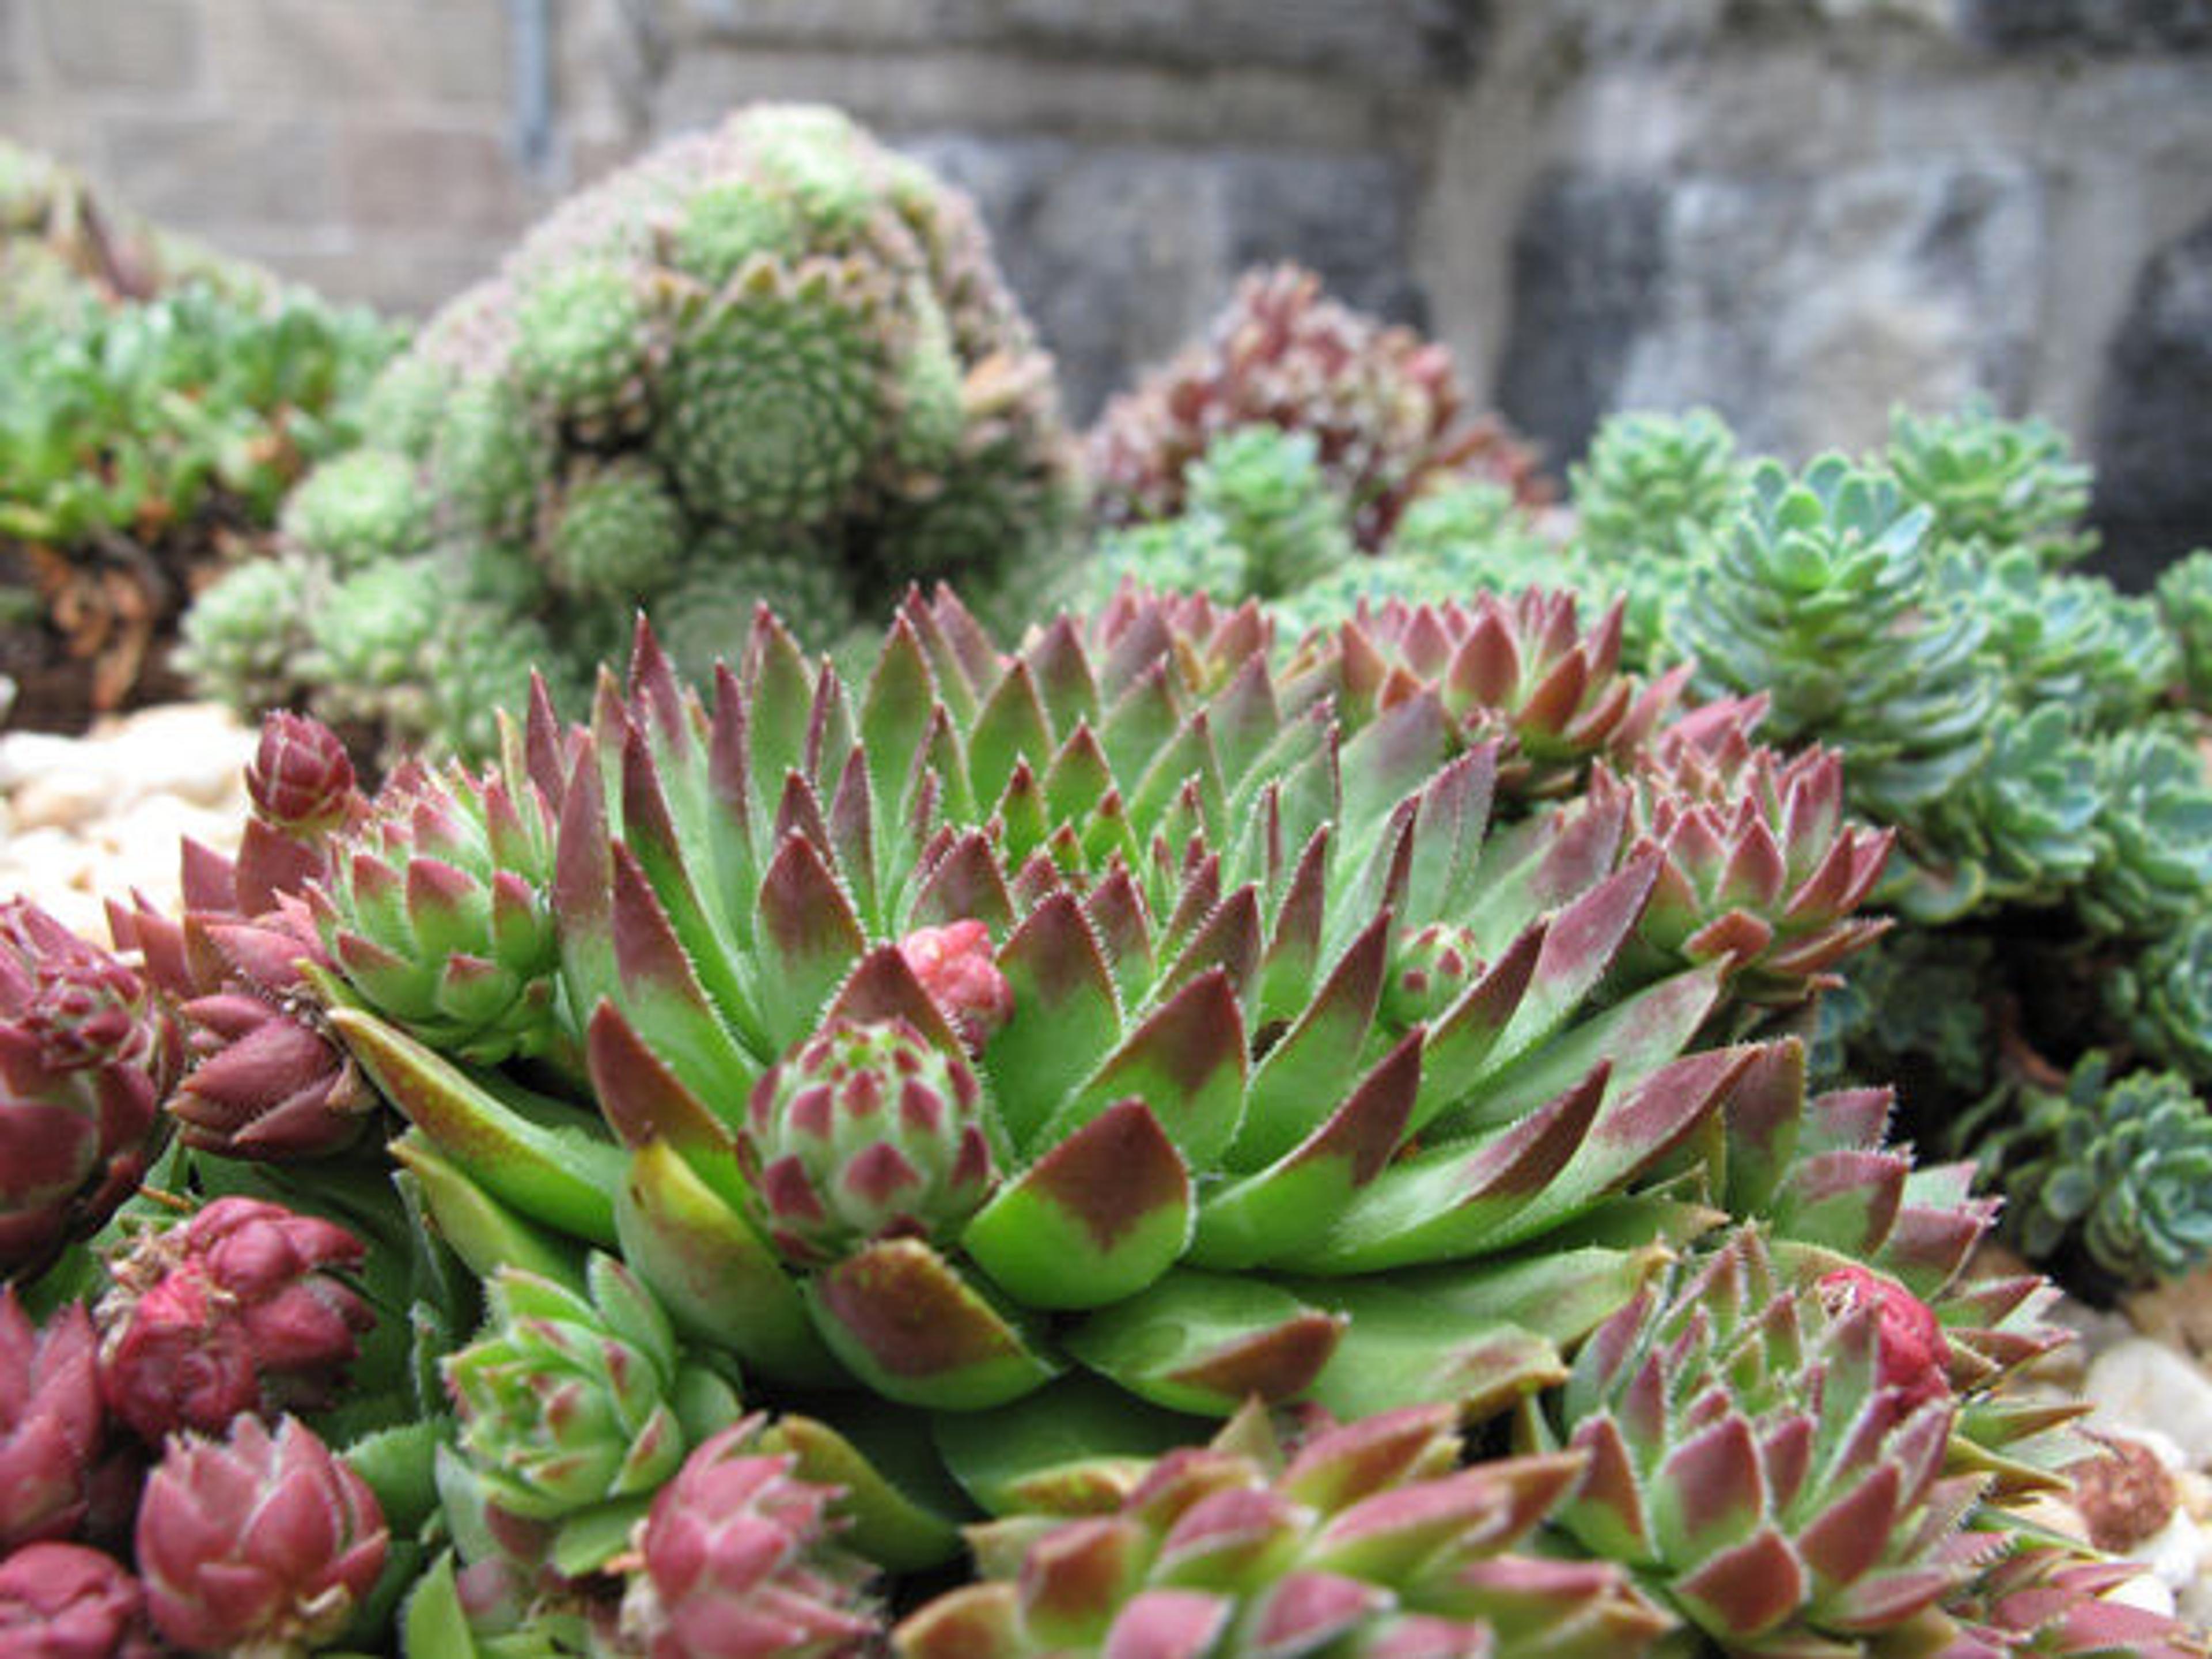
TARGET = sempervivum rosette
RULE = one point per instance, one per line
(435, 911)
(1762, 869)
(266, 1081)
(86, 1051)
(1366, 1540)
(51, 1425)
(1384, 407)
(1770, 1457)
(738, 1560)
(866, 1132)
(241, 1309)
(258, 1543)
(1229, 1159)
(576, 1405)
(1521, 669)
(65, 1601)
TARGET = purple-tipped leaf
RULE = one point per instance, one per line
(1100, 1216)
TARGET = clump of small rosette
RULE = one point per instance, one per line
(866, 1131)
(260, 1543)
(738, 1560)
(86, 1052)
(65, 1601)
(242, 1309)
(1369, 1539)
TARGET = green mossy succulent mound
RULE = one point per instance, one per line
(769, 345)
(148, 431)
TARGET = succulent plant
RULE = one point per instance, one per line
(86, 1053)
(865, 1132)
(1518, 669)
(1266, 488)
(146, 441)
(50, 1423)
(435, 911)
(1762, 871)
(257, 1542)
(1655, 487)
(266, 1080)
(2184, 601)
(237, 1309)
(2116, 1166)
(2072, 640)
(618, 532)
(1769, 1457)
(1150, 896)
(1365, 1539)
(1261, 520)
(367, 637)
(2164, 998)
(243, 639)
(363, 507)
(1383, 405)
(2025, 826)
(1999, 482)
(575, 1409)
(2045, 1599)
(65, 1601)
(773, 361)
(706, 615)
(1190, 554)
(738, 1561)
(2154, 841)
(1818, 598)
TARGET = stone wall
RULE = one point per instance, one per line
(374, 148)
(1797, 210)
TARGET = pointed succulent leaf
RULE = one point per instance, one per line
(902, 1320)
(1202, 1342)
(538, 1154)
(1098, 1217)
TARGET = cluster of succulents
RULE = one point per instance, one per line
(1310, 455)
(2027, 735)
(147, 440)
(67, 246)
(769, 362)
(1339, 1110)
(1114, 1107)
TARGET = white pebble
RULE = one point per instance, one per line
(64, 798)
(2145, 1590)
(2139, 1382)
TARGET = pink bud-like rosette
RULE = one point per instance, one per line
(65, 1601)
(86, 1054)
(954, 964)
(234, 1311)
(50, 1422)
(301, 778)
(1915, 1357)
(258, 1540)
(737, 1564)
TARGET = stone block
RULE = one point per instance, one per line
(2153, 410)
(432, 179)
(2091, 25)
(1122, 253)
(204, 171)
(1802, 307)
(133, 45)
(14, 69)
(1589, 257)
(1385, 42)
(1382, 42)
(294, 53)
